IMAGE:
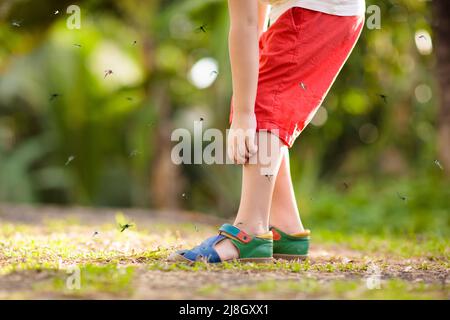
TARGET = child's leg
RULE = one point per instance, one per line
(256, 195)
(284, 212)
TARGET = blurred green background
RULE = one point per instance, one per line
(375, 158)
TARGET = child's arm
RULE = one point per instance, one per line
(262, 12)
(243, 46)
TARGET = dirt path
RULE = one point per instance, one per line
(40, 247)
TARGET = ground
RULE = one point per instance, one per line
(50, 252)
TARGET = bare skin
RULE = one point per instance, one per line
(258, 183)
(284, 212)
(244, 51)
(266, 196)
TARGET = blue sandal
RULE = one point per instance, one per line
(250, 248)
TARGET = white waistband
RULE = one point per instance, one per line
(334, 7)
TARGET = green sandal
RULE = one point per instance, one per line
(290, 246)
(251, 248)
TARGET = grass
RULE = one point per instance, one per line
(339, 289)
(89, 281)
(403, 246)
(43, 260)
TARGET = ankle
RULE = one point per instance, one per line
(252, 228)
(288, 228)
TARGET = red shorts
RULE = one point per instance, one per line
(300, 56)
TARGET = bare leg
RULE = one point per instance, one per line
(284, 212)
(258, 182)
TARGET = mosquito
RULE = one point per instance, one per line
(212, 73)
(108, 72)
(135, 153)
(269, 177)
(17, 24)
(384, 97)
(134, 42)
(54, 96)
(95, 234)
(124, 227)
(202, 28)
(404, 198)
(436, 162)
(201, 119)
(69, 160)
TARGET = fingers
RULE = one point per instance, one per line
(238, 152)
(240, 146)
(243, 154)
(231, 147)
(234, 149)
(250, 144)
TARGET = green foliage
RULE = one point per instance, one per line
(113, 127)
(391, 206)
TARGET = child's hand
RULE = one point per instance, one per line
(241, 144)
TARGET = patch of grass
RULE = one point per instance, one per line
(110, 261)
(407, 246)
(232, 266)
(341, 289)
(209, 289)
(25, 247)
(351, 267)
(92, 280)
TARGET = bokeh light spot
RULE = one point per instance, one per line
(423, 93)
(424, 43)
(368, 133)
(320, 117)
(204, 72)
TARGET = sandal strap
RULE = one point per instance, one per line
(204, 250)
(231, 231)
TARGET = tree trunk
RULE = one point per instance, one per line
(166, 179)
(441, 26)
